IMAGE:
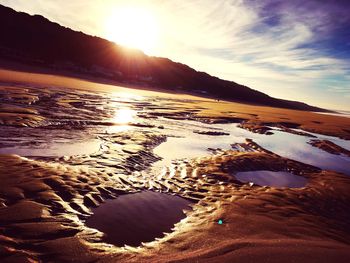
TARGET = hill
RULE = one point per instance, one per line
(37, 41)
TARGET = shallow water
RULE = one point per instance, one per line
(191, 145)
(55, 149)
(270, 178)
(102, 131)
(343, 113)
(134, 218)
(75, 123)
(295, 147)
(341, 142)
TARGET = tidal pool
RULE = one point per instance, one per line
(292, 146)
(76, 121)
(295, 147)
(271, 178)
(41, 142)
(55, 149)
(140, 217)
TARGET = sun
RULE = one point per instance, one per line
(133, 27)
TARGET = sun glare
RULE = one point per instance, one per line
(133, 27)
(124, 116)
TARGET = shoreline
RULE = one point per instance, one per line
(338, 126)
(45, 202)
(340, 113)
(26, 68)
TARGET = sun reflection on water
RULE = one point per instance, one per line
(124, 116)
(126, 96)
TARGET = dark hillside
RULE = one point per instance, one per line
(37, 41)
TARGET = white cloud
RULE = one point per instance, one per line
(225, 38)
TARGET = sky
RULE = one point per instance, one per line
(298, 50)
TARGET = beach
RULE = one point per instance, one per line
(69, 146)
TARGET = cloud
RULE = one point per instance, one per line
(292, 49)
(273, 46)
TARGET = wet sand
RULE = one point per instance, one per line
(46, 200)
(220, 111)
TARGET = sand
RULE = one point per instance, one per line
(257, 115)
(44, 203)
(329, 147)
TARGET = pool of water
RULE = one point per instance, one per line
(295, 147)
(55, 149)
(270, 178)
(140, 217)
(190, 145)
(341, 142)
(42, 142)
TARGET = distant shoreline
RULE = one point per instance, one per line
(6, 64)
(341, 113)
(21, 67)
(326, 124)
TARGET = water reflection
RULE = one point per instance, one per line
(191, 145)
(118, 129)
(55, 149)
(270, 178)
(125, 97)
(140, 217)
(124, 116)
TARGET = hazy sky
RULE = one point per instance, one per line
(296, 49)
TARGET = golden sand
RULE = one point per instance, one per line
(43, 205)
